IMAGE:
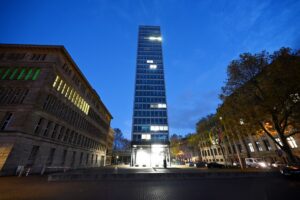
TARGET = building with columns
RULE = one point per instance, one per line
(51, 118)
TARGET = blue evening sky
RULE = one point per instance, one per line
(200, 38)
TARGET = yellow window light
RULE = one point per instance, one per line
(63, 89)
(70, 95)
(60, 84)
(67, 91)
(55, 81)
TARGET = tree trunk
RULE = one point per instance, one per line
(285, 146)
(246, 147)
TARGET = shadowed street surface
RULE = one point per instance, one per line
(133, 173)
(37, 187)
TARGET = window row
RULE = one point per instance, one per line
(156, 106)
(146, 61)
(149, 71)
(12, 56)
(159, 121)
(149, 87)
(150, 93)
(147, 43)
(147, 128)
(153, 137)
(61, 110)
(60, 133)
(98, 119)
(152, 113)
(149, 53)
(150, 76)
(211, 152)
(151, 67)
(84, 158)
(151, 48)
(149, 57)
(12, 95)
(154, 82)
(150, 100)
(71, 94)
(19, 73)
(21, 56)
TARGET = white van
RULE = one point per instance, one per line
(256, 162)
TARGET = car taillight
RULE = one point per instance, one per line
(293, 167)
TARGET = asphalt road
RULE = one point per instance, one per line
(37, 187)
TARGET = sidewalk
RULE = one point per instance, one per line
(134, 173)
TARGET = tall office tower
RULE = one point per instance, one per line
(150, 131)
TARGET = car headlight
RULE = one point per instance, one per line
(262, 164)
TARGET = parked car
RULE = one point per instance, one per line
(215, 165)
(236, 164)
(291, 170)
(256, 162)
(277, 164)
(201, 164)
(191, 164)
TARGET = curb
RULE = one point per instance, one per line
(157, 176)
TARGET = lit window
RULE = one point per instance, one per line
(158, 105)
(71, 95)
(162, 105)
(149, 61)
(153, 66)
(22, 74)
(258, 146)
(60, 84)
(292, 142)
(155, 38)
(13, 74)
(28, 74)
(67, 92)
(56, 81)
(36, 74)
(251, 147)
(279, 141)
(63, 90)
(158, 128)
(146, 136)
(5, 74)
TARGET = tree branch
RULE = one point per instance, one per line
(293, 133)
(270, 135)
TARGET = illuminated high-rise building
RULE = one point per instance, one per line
(150, 130)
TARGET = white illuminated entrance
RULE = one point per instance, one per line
(150, 156)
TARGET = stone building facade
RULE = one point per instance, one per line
(50, 116)
(251, 146)
(109, 146)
